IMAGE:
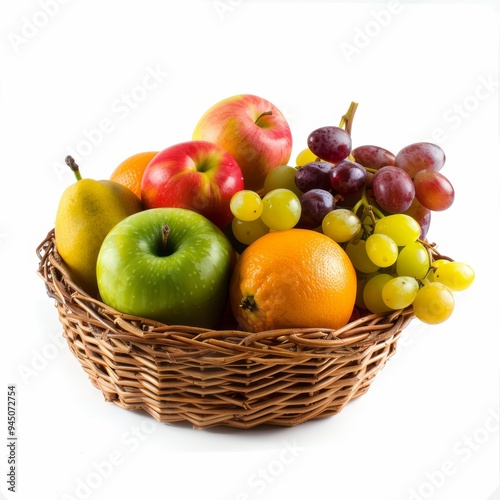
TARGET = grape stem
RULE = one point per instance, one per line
(376, 211)
(431, 250)
(371, 214)
(347, 118)
(357, 206)
(372, 210)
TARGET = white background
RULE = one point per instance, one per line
(428, 427)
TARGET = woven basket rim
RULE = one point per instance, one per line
(136, 327)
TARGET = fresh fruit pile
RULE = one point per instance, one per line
(221, 228)
(377, 205)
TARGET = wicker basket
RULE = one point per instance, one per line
(218, 377)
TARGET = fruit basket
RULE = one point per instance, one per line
(210, 377)
(192, 287)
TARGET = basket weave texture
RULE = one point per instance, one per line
(218, 377)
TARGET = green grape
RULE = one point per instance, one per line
(282, 177)
(341, 225)
(413, 260)
(361, 280)
(400, 292)
(433, 303)
(382, 250)
(356, 251)
(401, 228)
(246, 205)
(457, 276)
(281, 209)
(304, 157)
(372, 293)
(247, 232)
(434, 266)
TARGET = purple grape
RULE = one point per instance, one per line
(420, 156)
(393, 189)
(316, 203)
(422, 215)
(347, 200)
(348, 177)
(331, 143)
(433, 190)
(314, 175)
(373, 157)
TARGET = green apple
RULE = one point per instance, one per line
(167, 264)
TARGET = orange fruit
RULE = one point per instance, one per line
(297, 278)
(130, 171)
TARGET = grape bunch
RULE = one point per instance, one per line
(377, 205)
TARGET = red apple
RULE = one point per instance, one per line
(253, 130)
(197, 175)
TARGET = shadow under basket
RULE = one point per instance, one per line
(218, 377)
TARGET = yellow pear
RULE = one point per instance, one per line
(87, 211)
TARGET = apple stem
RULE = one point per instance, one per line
(165, 231)
(70, 161)
(266, 113)
(346, 120)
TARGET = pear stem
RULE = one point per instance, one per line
(70, 161)
(165, 231)
(266, 113)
